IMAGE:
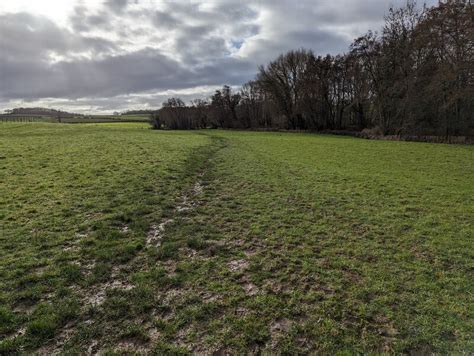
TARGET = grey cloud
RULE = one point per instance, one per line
(81, 21)
(229, 16)
(321, 41)
(203, 34)
(136, 71)
(139, 71)
(116, 6)
(237, 11)
(24, 36)
(165, 20)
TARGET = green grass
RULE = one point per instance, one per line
(77, 119)
(137, 117)
(290, 243)
(107, 118)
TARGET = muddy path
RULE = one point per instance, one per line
(186, 202)
(120, 281)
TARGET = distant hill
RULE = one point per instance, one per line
(40, 112)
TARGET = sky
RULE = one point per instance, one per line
(102, 56)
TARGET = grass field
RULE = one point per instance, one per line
(74, 120)
(118, 238)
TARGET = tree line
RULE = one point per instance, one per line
(415, 77)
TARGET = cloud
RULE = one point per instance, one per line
(24, 36)
(117, 6)
(165, 20)
(134, 72)
(137, 52)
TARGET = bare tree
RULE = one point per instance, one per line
(284, 80)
